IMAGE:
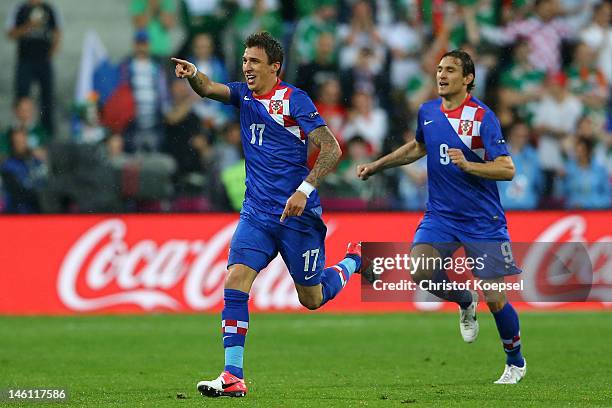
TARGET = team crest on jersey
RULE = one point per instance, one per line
(465, 127)
(276, 107)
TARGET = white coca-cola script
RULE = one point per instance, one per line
(145, 272)
(593, 269)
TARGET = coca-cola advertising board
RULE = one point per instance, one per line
(177, 263)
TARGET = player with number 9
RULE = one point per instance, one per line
(466, 155)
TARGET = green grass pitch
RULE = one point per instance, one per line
(309, 360)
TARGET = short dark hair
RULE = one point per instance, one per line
(589, 144)
(467, 65)
(599, 6)
(537, 3)
(265, 41)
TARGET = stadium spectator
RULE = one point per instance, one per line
(586, 180)
(36, 26)
(404, 40)
(330, 107)
(344, 183)
(544, 31)
(88, 128)
(359, 34)
(24, 119)
(482, 65)
(233, 178)
(212, 113)
(521, 83)
(598, 36)
(602, 140)
(514, 11)
(523, 191)
(555, 120)
(186, 141)
(310, 28)
(310, 76)
(157, 18)
(420, 87)
(204, 16)
(147, 81)
(366, 76)
(251, 17)
(23, 176)
(587, 82)
(227, 185)
(228, 149)
(464, 19)
(366, 120)
(115, 151)
(607, 149)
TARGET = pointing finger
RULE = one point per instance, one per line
(179, 61)
(283, 215)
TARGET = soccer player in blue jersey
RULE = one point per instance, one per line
(466, 155)
(281, 212)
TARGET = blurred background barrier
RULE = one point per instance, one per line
(177, 263)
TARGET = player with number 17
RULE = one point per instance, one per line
(281, 212)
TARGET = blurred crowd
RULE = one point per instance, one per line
(144, 141)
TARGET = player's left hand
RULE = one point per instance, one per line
(457, 157)
(295, 205)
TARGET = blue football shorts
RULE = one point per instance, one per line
(492, 249)
(299, 240)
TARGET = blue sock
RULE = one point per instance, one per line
(462, 297)
(335, 277)
(235, 324)
(507, 322)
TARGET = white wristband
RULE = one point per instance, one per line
(196, 71)
(306, 188)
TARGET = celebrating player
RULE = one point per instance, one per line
(281, 211)
(466, 154)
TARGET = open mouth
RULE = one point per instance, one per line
(250, 79)
(442, 84)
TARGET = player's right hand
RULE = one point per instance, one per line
(183, 69)
(364, 171)
(295, 205)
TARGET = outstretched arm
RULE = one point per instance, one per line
(201, 83)
(329, 155)
(406, 154)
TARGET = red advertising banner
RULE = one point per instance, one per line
(177, 263)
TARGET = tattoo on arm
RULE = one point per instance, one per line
(200, 84)
(328, 156)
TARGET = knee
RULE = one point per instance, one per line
(238, 279)
(233, 279)
(496, 306)
(310, 302)
(495, 300)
